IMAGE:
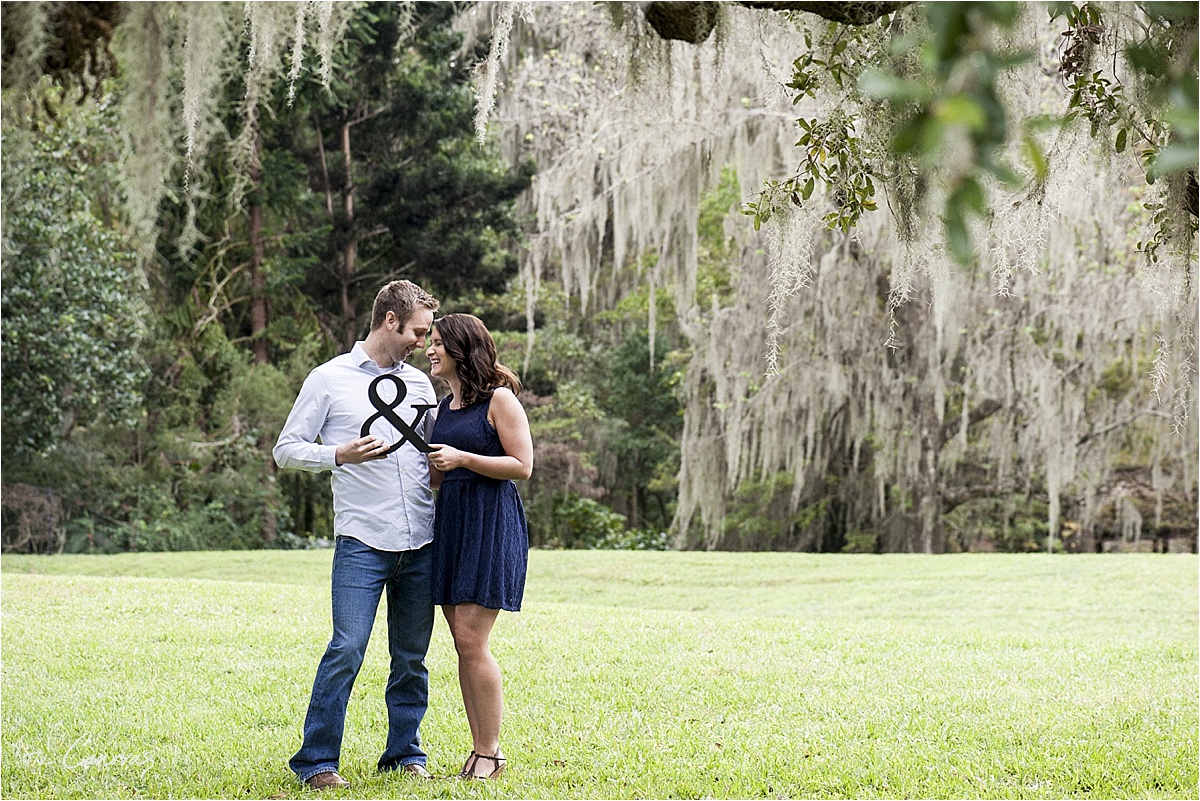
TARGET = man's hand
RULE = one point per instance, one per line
(363, 449)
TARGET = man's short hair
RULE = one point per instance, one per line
(401, 298)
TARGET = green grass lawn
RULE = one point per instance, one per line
(628, 675)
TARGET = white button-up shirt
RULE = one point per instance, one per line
(385, 503)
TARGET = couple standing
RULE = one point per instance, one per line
(468, 555)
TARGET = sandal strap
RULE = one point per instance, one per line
(498, 761)
(468, 767)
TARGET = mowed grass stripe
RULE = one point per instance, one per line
(156, 687)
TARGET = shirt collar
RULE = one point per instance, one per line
(360, 357)
(365, 362)
(362, 360)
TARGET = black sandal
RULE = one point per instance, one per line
(468, 768)
(499, 761)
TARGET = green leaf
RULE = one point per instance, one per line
(969, 195)
(1035, 157)
(1043, 122)
(880, 85)
(921, 133)
(1121, 136)
(1173, 158)
(957, 239)
(961, 109)
(1057, 8)
(1003, 173)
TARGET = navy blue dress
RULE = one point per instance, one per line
(480, 537)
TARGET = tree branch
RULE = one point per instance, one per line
(324, 170)
(694, 22)
(1120, 424)
(981, 412)
(854, 13)
(956, 497)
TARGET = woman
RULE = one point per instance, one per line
(480, 443)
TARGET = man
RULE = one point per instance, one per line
(362, 416)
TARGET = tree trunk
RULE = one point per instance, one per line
(929, 508)
(922, 361)
(349, 287)
(258, 281)
(258, 302)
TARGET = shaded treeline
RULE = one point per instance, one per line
(142, 395)
(141, 399)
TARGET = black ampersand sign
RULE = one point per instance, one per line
(407, 432)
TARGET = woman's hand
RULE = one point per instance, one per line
(508, 418)
(445, 458)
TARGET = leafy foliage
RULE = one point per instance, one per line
(268, 254)
(390, 147)
(71, 294)
(941, 79)
(181, 414)
(641, 450)
(1160, 119)
(834, 156)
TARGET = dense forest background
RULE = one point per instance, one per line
(145, 377)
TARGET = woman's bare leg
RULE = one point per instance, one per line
(479, 678)
(468, 701)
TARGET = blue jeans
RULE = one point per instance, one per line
(361, 574)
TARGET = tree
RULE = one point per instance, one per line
(389, 147)
(990, 380)
(69, 42)
(645, 446)
(953, 91)
(72, 293)
(881, 394)
(1162, 52)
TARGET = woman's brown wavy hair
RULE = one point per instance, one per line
(467, 341)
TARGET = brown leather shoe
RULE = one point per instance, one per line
(329, 780)
(417, 770)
